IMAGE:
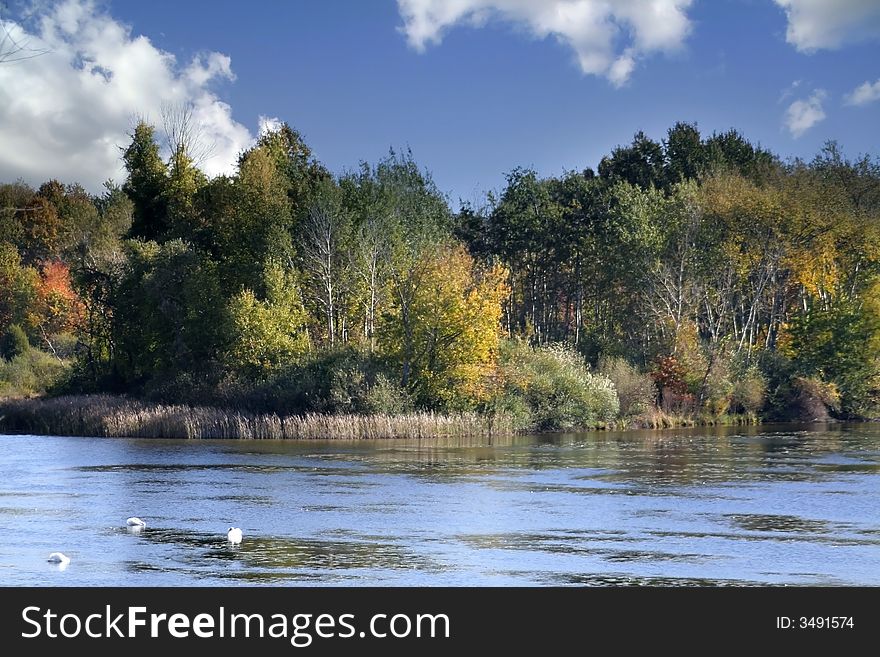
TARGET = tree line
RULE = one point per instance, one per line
(693, 277)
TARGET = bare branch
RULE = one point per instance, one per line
(320, 255)
(183, 134)
(12, 49)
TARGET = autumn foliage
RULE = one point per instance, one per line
(699, 275)
(56, 308)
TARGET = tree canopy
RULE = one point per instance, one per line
(705, 263)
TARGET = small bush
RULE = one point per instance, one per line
(384, 396)
(635, 390)
(717, 387)
(14, 342)
(749, 392)
(674, 402)
(360, 389)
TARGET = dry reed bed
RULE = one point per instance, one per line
(104, 415)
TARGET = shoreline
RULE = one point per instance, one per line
(108, 416)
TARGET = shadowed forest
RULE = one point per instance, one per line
(696, 279)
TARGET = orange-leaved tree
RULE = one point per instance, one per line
(56, 308)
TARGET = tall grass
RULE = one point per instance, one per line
(104, 415)
(655, 418)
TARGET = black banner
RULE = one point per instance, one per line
(435, 621)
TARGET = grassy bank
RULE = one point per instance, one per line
(108, 416)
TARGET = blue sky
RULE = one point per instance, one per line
(472, 94)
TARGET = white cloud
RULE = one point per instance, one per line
(206, 67)
(818, 24)
(64, 114)
(868, 92)
(804, 114)
(268, 124)
(607, 37)
(622, 68)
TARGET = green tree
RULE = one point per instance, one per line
(686, 156)
(840, 345)
(730, 151)
(391, 212)
(18, 287)
(269, 333)
(302, 174)
(179, 195)
(523, 228)
(145, 185)
(169, 313)
(14, 342)
(641, 163)
(256, 225)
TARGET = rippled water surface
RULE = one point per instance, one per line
(768, 505)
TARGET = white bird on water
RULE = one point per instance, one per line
(234, 535)
(134, 521)
(59, 557)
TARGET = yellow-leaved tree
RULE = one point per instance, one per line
(270, 332)
(443, 326)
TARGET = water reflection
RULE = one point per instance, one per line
(758, 522)
(562, 579)
(657, 457)
(196, 552)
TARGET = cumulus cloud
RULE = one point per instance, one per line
(204, 68)
(64, 114)
(803, 114)
(829, 24)
(868, 92)
(606, 37)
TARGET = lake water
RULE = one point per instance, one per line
(768, 505)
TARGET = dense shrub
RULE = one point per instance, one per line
(550, 389)
(30, 373)
(669, 374)
(14, 342)
(345, 380)
(749, 391)
(359, 387)
(810, 399)
(384, 396)
(673, 402)
(635, 390)
(716, 388)
(839, 344)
